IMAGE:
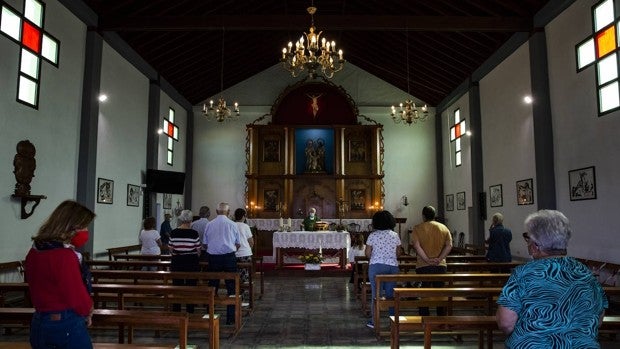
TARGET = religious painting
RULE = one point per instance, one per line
(582, 184)
(105, 191)
(460, 200)
(133, 195)
(315, 155)
(271, 150)
(357, 150)
(450, 202)
(496, 196)
(167, 202)
(272, 198)
(358, 200)
(525, 192)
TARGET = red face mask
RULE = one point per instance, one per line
(80, 238)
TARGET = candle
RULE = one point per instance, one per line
(281, 221)
(288, 222)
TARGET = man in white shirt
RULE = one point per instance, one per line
(221, 240)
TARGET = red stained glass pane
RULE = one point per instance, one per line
(457, 128)
(170, 130)
(31, 37)
(605, 41)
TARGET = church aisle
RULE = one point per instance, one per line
(316, 312)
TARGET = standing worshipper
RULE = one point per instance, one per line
(222, 240)
(63, 306)
(552, 301)
(185, 249)
(382, 248)
(499, 240)
(432, 242)
(244, 253)
(200, 225)
(164, 233)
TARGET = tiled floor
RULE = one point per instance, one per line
(302, 310)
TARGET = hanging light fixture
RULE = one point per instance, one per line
(220, 111)
(310, 56)
(408, 112)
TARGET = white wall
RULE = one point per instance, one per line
(508, 140)
(53, 128)
(457, 179)
(582, 139)
(121, 149)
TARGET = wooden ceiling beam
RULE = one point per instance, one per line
(327, 22)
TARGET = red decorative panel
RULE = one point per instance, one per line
(314, 103)
(31, 37)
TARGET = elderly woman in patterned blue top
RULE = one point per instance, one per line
(553, 301)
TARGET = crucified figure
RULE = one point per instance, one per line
(315, 103)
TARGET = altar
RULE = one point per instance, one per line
(312, 240)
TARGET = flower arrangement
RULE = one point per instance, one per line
(311, 258)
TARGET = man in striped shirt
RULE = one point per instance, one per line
(185, 248)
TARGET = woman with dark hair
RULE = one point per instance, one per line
(149, 237)
(63, 306)
(382, 248)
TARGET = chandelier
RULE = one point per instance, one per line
(408, 112)
(311, 57)
(220, 111)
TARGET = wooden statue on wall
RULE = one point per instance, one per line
(24, 165)
(315, 155)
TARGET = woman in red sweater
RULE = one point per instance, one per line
(62, 303)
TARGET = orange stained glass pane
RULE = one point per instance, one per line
(457, 128)
(605, 41)
(170, 130)
(31, 37)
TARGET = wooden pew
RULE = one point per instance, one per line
(486, 324)
(142, 257)
(102, 277)
(163, 295)
(132, 319)
(477, 299)
(122, 249)
(11, 272)
(479, 280)
(481, 323)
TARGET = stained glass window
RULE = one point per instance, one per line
(172, 131)
(601, 49)
(456, 132)
(27, 30)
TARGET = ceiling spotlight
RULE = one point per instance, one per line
(528, 99)
(102, 97)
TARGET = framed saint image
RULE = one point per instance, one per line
(460, 200)
(525, 192)
(357, 150)
(582, 183)
(271, 150)
(167, 202)
(450, 202)
(358, 200)
(133, 195)
(105, 191)
(272, 198)
(496, 197)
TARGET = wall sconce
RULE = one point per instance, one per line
(404, 200)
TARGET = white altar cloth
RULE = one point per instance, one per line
(273, 224)
(312, 240)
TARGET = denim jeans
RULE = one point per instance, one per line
(432, 269)
(224, 262)
(388, 287)
(59, 330)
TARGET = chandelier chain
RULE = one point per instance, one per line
(220, 112)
